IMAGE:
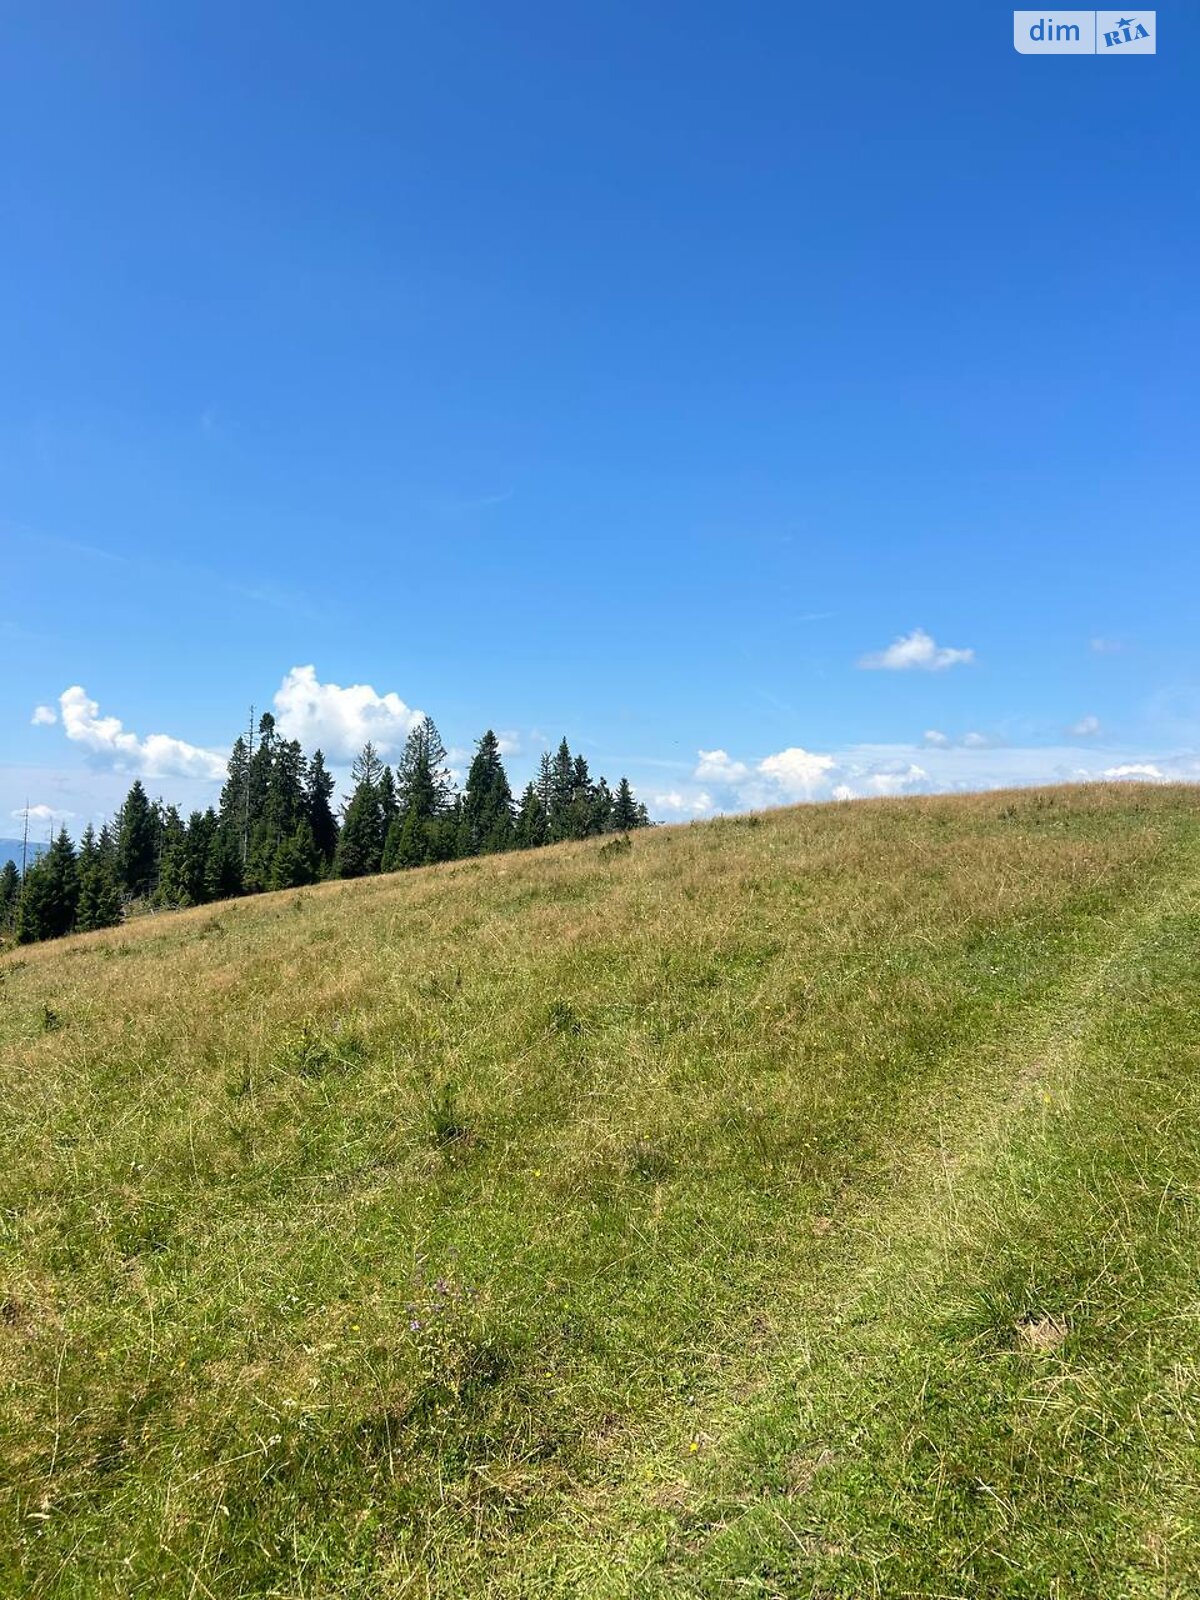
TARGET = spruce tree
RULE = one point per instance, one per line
(544, 784)
(319, 812)
(624, 809)
(367, 766)
(277, 779)
(562, 792)
(99, 900)
(49, 894)
(487, 802)
(423, 829)
(223, 865)
(10, 889)
(531, 826)
(389, 805)
(234, 809)
(201, 831)
(361, 844)
(600, 808)
(137, 844)
(295, 861)
(171, 889)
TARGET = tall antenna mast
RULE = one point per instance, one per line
(25, 839)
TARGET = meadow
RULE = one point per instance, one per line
(794, 1205)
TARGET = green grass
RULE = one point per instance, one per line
(805, 1205)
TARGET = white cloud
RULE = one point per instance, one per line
(41, 813)
(905, 780)
(158, 755)
(716, 767)
(44, 717)
(1085, 728)
(798, 774)
(935, 739)
(1136, 769)
(959, 764)
(916, 649)
(509, 742)
(696, 804)
(340, 721)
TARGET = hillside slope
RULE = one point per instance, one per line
(805, 1205)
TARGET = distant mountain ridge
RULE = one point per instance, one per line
(10, 850)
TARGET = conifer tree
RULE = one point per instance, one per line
(389, 805)
(562, 792)
(295, 861)
(544, 784)
(277, 779)
(487, 802)
(361, 844)
(367, 766)
(530, 829)
(49, 893)
(624, 810)
(223, 865)
(234, 809)
(201, 832)
(319, 812)
(600, 807)
(99, 903)
(171, 889)
(10, 889)
(420, 832)
(137, 844)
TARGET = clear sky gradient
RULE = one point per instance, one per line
(636, 372)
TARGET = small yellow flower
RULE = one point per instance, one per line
(695, 1445)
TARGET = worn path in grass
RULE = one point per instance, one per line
(799, 1206)
(990, 1385)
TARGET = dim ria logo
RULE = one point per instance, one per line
(1084, 33)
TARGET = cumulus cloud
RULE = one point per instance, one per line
(936, 737)
(682, 804)
(509, 742)
(798, 774)
(1136, 769)
(340, 721)
(41, 813)
(917, 649)
(716, 767)
(44, 717)
(901, 780)
(107, 740)
(945, 765)
(1085, 727)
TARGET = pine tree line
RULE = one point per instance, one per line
(275, 828)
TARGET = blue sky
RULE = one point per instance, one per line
(642, 373)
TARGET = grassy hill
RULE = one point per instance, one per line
(796, 1205)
